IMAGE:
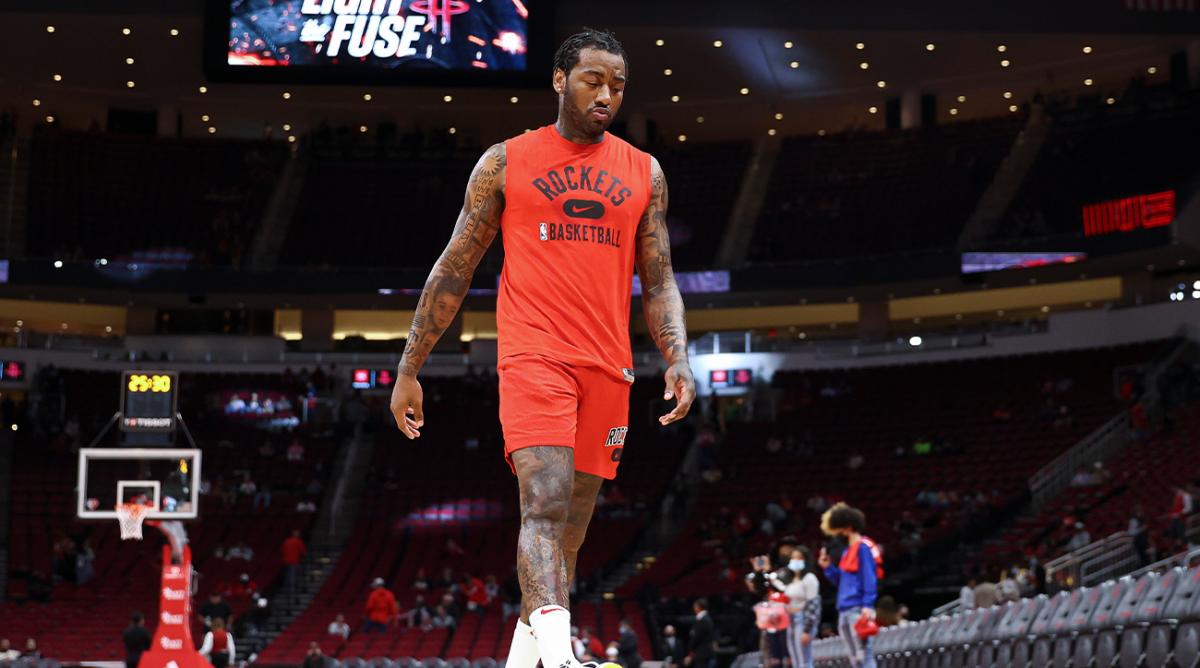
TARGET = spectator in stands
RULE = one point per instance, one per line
(338, 627)
(627, 646)
(803, 592)
(293, 551)
(888, 613)
(671, 650)
(856, 576)
(986, 594)
(855, 461)
(702, 643)
(491, 587)
(263, 496)
(1141, 537)
(136, 638)
(510, 603)
(235, 405)
(1008, 588)
(244, 588)
(240, 551)
(314, 657)
(295, 451)
(218, 646)
(442, 619)
(7, 653)
(1083, 478)
(421, 581)
(215, 609)
(1182, 505)
(85, 559)
(593, 647)
(419, 615)
(306, 506)
(1063, 418)
(247, 487)
(31, 650)
(381, 610)
(966, 595)
(1081, 538)
(612, 653)
(475, 592)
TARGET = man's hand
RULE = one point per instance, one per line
(408, 400)
(869, 613)
(681, 387)
(805, 638)
(823, 560)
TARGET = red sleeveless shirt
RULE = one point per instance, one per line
(569, 230)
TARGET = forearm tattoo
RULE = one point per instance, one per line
(662, 304)
(476, 228)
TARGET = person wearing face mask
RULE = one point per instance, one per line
(627, 646)
(856, 576)
(804, 606)
(672, 649)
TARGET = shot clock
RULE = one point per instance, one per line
(148, 401)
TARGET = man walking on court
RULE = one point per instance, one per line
(578, 210)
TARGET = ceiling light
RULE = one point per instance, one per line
(682, 137)
(447, 98)
(962, 98)
(699, 119)
(287, 95)
(366, 97)
(126, 31)
(204, 119)
(717, 43)
(108, 329)
(1004, 63)
(58, 77)
(860, 46)
(1008, 94)
(291, 139)
(1152, 70)
(778, 116)
(881, 83)
(514, 99)
(1110, 101)
(771, 132)
(930, 46)
(1012, 107)
(203, 89)
(659, 42)
(1045, 309)
(873, 110)
(57, 265)
(820, 133)
(1002, 48)
(37, 102)
(745, 91)
(953, 111)
(1087, 49)
(914, 341)
(212, 130)
(129, 61)
(174, 32)
(452, 130)
(287, 127)
(49, 28)
(362, 128)
(787, 45)
(667, 72)
(863, 65)
(1087, 82)
(674, 98)
(129, 84)
(49, 119)
(794, 64)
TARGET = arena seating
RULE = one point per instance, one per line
(881, 409)
(1098, 152)
(868, 193)
(43, 513)
(703, 180)
(1139, 479)
(1151, 621)
(468, 496)
(95, 195)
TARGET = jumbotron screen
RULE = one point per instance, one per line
(422, 41)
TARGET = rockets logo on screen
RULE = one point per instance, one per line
(380, 34)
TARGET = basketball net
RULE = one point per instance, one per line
(131, 515)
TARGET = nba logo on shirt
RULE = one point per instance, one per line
(616, 437)
(542, 233)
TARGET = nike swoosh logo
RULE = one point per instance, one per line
(583, 208)
(579, 209)
(546, 612)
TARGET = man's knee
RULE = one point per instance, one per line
(546, 506)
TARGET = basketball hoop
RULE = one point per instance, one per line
(131, 515)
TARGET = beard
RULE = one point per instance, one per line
(582, 119)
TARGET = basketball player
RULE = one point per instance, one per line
(578, 208)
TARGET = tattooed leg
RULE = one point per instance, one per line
(544, 475)
(583, 504)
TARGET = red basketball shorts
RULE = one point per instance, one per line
(546, 402)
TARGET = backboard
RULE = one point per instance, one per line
(166, 478)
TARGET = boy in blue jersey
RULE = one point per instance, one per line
(856, 576)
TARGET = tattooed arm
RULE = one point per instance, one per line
(661, 303)
(477, 225)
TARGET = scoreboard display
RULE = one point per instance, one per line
(434, 42)
(372, 379)
(148, 401)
